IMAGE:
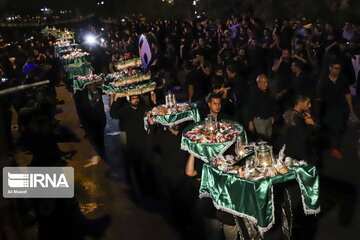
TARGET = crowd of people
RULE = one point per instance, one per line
(241, 57)
(286, 83)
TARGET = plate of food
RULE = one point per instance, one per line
(226, 132)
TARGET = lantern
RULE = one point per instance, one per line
(211, 125)
(263, 155)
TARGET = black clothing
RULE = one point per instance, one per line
(217, 82)
(283, 75)
(226, 56)
(297, 133)
(138, 158)
(176, 184)
(240, 89)
(332, 94)
(261, 104)
(131, 121)
(257, 62)
(334, 108)
(173, 156)
(193, 78)
(92, 117)
(300, 84)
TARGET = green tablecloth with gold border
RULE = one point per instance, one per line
(254, 199)
(206, 151)
(176, 118)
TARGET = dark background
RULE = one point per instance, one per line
(268, 10)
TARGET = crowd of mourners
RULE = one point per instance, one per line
(285, 82)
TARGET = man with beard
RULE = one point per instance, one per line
(138, 149)
(282, 75)
(299, 124)
(299, 80)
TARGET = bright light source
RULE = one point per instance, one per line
(102, 29)
(90, 39)
(194, 3)
(198, 16)
(102, 40)
(102, 2)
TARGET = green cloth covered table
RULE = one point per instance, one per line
(128, 63)
(254, 199)
(81, 84)
(176, 118)
(74, 60)
(129, 90)
(122, 81)
(206, 151)
(63, 49)
(79, 69)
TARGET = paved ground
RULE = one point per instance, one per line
(98, 195)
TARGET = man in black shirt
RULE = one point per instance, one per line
(195, 88)
(205, 208)
(282, 76)
(216, 102)
(299, 80)
(240, 92)
(335, 103)
(93, 119)
(131, 117)
(261, 109)
(298, 128)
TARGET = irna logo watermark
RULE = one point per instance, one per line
(38, 182)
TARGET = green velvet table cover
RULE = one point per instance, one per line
(206, 151)
(74, 60)
(108, 89)
(176, 118)
(141, 77)
(79, 69)
(81, 84)
(254, 199)
(62, 49)
(132, 62)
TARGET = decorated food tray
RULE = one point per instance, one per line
(74, 55)
(179, 107)
(227, 131)
(92, 77)
(118, 79)
(251, 172)
(80, 82)
(62, 43)
(130, 90)
(128, 63)
(206, 146)
(169, 116)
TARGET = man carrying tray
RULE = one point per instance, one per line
(138, 150)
